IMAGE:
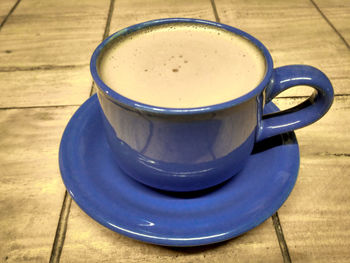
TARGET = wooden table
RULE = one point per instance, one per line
(45, 48)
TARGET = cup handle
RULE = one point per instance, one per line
(303, 114)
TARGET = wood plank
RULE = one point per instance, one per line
(45, 87)
(95, 242)
(86, 239)
(30, 184)
(127, 13)
(316, 217)
(52, 33)
(5, 7)
(54, 40)
(295, 33)
(332, 129)
(338, 13)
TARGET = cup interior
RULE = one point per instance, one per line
(133, 104)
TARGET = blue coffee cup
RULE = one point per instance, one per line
(188, 149)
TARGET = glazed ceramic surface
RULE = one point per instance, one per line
(195, 148)
(104, 192)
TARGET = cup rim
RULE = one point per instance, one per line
(139, 106)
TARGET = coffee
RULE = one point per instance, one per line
(182, 65)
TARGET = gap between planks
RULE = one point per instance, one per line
(215, 11)
(41, 67)
(105, 34)
(281, 240)
(9, 14)
(92, 91)
(330, 24)
(61, 229)
(64, 215)
(39, 107)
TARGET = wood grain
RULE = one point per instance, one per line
(316, 217)
(45, 47)
(49, 42)
(338, 13)
(45, 87)
(97, 243)
(30, 184)
(86, 239)
(52, 33)
(295, 33)
(5, 7)
(327, 137)
(127, 13)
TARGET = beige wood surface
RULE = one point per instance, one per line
(327, 137)
(31, 190)
(5, 7)
(316, 217)
(338, 13)
(45, 47)
(87, 239)
(52, 33)
(295, 33)
(50, 42)
(45, 87)
(127, 13)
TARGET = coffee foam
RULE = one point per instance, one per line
(182, 65)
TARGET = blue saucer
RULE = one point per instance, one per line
(213, 215)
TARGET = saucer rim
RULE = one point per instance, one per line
(160, 240)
